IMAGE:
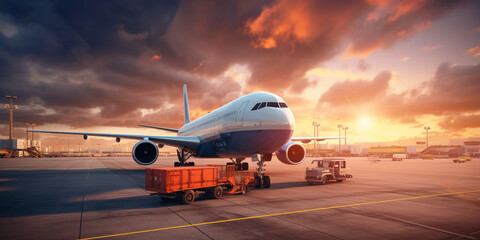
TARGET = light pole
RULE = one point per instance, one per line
(28, 124)
(11, 107)
(426, 129)
(33, 128)
(339, 137)
(345, 128)
(315, 134)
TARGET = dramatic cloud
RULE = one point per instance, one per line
(461, 122)
(475, 51)
(452, 94)
(358, 91)
(390, 21)
(117, 63)
(431, 48)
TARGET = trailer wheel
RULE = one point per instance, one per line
(218, 192)
(188, 197)
(324, 180)
(243, 189)
(266, 181)
(258, 182)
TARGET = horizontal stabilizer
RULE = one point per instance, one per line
(160, 128)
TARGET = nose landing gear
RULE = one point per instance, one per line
(261, 179)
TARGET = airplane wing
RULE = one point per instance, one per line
(188, 142)
(308, 139)
(160, 128)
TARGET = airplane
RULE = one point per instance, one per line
(259, 123)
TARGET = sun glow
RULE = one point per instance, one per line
(365, 123)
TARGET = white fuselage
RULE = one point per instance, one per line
(238, 130)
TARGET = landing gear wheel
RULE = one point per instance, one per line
(245, 166)
(191, 164)
(266, 181)
(218, 192)
(258, 182)
(176, 164)
(324, 180)
(188, 197)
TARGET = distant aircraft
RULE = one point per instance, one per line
(256, 124)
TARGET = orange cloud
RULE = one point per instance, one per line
(431, 48)
(475, 52)
(156, 57)
(285, 21)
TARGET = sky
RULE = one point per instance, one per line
(383, 68)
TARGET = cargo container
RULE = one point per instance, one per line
(186, 183)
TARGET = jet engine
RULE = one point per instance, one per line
(145, 152)
(291, 153)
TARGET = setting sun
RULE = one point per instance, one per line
(364, 123)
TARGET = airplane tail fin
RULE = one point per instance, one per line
(185, 104)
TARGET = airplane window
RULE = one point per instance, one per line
(283, 105)
(272, 104)
(262, 105)
(255, 107)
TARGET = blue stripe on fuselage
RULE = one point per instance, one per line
(244, 143)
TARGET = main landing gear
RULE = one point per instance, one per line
(182, 159)
(261, 179)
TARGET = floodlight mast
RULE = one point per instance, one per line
(11, 107)
(340, 126)
(426, 129)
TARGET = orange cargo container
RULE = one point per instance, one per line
(174, 179)
(186, 183)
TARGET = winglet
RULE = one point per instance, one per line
(185, 104)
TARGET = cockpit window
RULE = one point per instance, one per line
(272, 104)
(255, 107)
(262, 105)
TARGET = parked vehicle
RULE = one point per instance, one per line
(186, 183)
(461, 159)
(399, 157)
(327, 169)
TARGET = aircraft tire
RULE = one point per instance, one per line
(266, 181)
(258, 182)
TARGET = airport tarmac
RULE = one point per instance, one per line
(103, 198)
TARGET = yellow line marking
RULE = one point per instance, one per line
(277, 214)
(451, 189)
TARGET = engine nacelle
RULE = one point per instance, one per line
(145, 152)
(291, 153)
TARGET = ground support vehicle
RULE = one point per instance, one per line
(428, 157)
(462, 159)
(467, 157)
(399, 157)
(187, 183)
(327, 169)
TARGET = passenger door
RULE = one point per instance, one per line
(239, 115)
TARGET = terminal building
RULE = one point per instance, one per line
(472, 148)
